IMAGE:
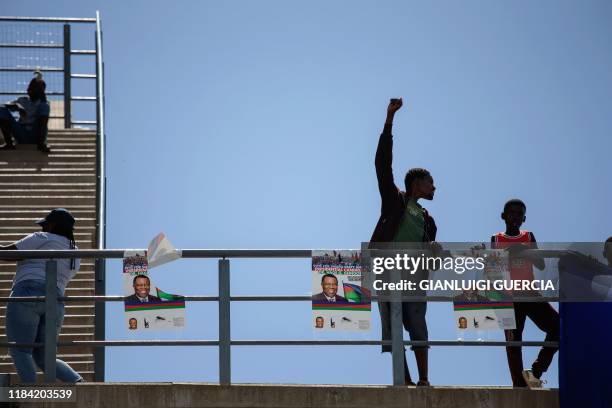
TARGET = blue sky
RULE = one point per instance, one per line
(254, 125)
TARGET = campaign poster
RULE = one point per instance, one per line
(340, 302)
(148, 308)
(475, 311)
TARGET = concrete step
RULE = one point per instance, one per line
(86, 267)
(80, 144)
(11, 185)
(49, 202)
(63, 337)
(75, 177)
(34, 192)
(28, 221)
(70, 291)
(69, 320)
(21, 192)
(4, 206)
(63, 137)
(83, 211)
(77, 308)
(74, 283)
(71, 133)
(67, 329)
(81, 279)
(78, 366)
(59, 170)
(36, 157)
(64, 356)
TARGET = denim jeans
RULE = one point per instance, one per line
(23, 134)
(25, 323)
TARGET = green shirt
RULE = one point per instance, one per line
(412, 225)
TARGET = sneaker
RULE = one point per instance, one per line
(531, 380)
(8, 147)
(44, 148)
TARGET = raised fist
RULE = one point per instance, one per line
(394, 105)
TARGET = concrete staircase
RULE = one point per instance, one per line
(32, 183)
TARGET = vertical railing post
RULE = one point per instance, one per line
(397, 333)
(100, 313)
(225, 363)
(50, 321)
(99, 320)
(67, 79)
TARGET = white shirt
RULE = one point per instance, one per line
(34, 269)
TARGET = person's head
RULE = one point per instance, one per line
(133, 323)
(419, 184)
(607, 253)
(319, 322)
(329, 284)
(36, 88)
(462, 323)
(59, 221)
(142, 286)
(514, 213)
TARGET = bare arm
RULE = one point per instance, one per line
(539, 262)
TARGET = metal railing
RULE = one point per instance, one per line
(66, 68)
(224, 299)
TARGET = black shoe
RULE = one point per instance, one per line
(422, 383)
(8, 147)
(44, 148)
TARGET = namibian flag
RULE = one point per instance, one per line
(167, 296)
(137, 307)
(342, 306)
(355, 293)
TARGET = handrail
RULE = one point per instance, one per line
(445, 343)
(206, 253)
(47, 19)
(224, 299)
(101, 145)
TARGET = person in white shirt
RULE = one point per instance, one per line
(25, 321)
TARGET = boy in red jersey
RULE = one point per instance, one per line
(541, 313)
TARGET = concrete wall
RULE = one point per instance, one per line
(170, 395)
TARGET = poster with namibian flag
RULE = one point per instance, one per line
(148, 308)
(488, 310)
(340, 302)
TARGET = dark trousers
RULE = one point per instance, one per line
(547, 319)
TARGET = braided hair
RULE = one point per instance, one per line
(67, 232)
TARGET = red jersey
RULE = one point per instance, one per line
(520, 269)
